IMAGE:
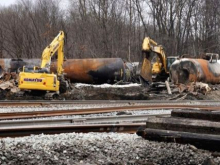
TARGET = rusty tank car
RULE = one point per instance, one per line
(195, 70)
(93, 71)
(97, 70)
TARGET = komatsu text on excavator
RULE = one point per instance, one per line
(39, 78)
(159, 70)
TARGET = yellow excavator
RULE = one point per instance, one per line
(159, 70)
(39, 79)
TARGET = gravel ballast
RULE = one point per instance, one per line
(98, 148)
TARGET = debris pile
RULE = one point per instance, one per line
(172, 91)
(9, 81)
(193, 88)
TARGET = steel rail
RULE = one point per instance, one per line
(35, 114)
(90, 120)
(46, 102)
(53, 129)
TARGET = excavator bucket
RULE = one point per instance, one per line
(145, 73)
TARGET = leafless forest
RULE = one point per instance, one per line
(110, 28)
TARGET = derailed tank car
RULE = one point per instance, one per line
(195, 70)
(93, 71)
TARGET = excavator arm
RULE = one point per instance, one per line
(55, 46)
(149, 46)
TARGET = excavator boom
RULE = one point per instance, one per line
(147, 69)
(56, 45)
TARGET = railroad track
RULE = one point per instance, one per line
(55, 129)
(152, 102)
(128, 124)
(35, 114)
(82, 120)
(120, 124)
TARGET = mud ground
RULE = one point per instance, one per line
(128, 93)
(140, 93)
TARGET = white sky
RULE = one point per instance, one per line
(7, 2)
(64, 3)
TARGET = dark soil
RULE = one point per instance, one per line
(127, 93)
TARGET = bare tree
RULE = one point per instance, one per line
(110, 28)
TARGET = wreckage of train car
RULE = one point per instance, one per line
(92, 71)
(196, 70)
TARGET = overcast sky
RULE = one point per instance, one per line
(7, 2)
(64, 3)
